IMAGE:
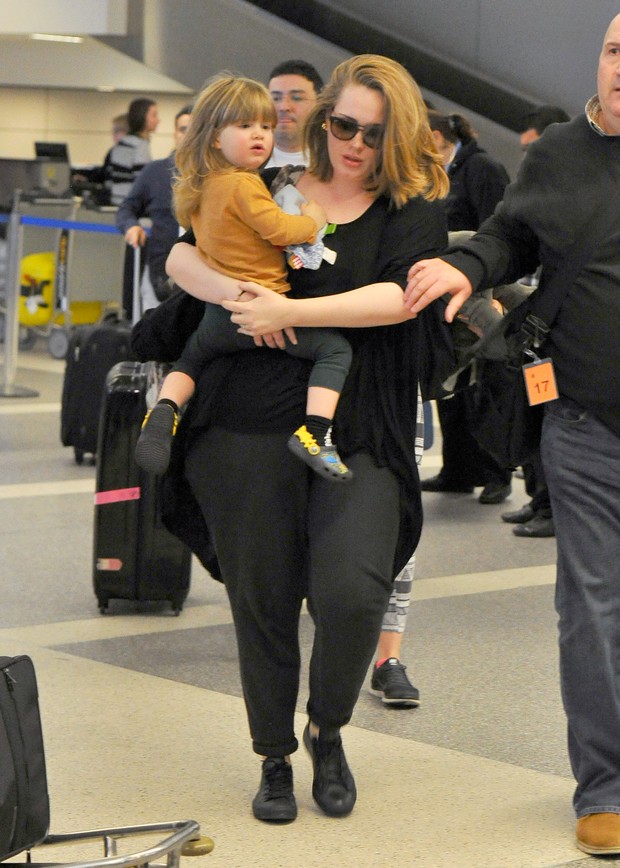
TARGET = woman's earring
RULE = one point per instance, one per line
(324, 126)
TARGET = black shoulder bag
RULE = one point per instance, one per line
(503, 422)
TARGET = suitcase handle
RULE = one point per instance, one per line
(137, 311)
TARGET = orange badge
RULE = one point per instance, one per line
(540, 382)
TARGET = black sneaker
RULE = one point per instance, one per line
(155, 440)
(333, 787)
(274, 800)
(390, 682)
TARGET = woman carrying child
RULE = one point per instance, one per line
(281, 532)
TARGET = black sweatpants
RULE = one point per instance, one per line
(282, 533)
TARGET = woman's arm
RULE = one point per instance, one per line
(188, 269)
(373, 305)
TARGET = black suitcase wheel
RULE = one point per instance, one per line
(103, 604)
(177, 607)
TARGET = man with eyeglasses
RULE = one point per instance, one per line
(294, 86)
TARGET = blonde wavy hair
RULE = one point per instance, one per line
(408, 162)
(226, 99)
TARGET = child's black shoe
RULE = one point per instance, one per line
(155, 440)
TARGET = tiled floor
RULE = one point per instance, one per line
(142, 714)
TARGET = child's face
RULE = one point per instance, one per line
(246, 144)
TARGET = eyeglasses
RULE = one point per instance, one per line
(346, 129)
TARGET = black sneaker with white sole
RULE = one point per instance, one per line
(390, 682)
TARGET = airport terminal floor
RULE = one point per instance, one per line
(142, 713)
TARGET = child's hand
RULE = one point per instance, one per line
(314, 210)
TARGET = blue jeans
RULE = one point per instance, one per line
(581, 458)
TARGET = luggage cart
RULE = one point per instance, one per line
(92, 272)
(183, 838)
(38, 245)
(68, 275)
(24, 797)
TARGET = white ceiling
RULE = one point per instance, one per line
(88, 65)
(64, 16)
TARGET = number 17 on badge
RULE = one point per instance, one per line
(540, 382)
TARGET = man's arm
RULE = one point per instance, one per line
(502, 251)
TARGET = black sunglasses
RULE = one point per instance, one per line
(346, 129)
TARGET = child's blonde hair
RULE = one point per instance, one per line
(227, 99)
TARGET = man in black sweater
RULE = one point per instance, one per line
(568, 188)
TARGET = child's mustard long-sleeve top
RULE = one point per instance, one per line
(240, 231)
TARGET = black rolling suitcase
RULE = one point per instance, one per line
(93, 350)
(135, 556)
(24, 801)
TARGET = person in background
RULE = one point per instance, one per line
(289, 534)
(151, 196)
(536, 122)
(131, 153)
(565, 197)
(120, 127)
(389, 680)
(477, 184)
(535, 519)
(127, 159)
(294, 86)
(91, 182)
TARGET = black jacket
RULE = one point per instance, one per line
(566, 191)
(477, 184)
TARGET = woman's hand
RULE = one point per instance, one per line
(263, 314)
(430, 279)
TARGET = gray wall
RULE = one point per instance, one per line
(193, 39)
(544, 49)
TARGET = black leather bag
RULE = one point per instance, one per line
(443, 346)
(162, 332)
(503, 422)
